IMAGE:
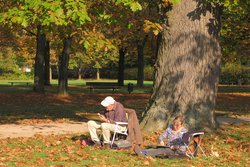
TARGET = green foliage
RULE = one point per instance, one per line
(235, 73)
(77, 11)
(131, 73)
(46, 13)
(149, 73)
(134, 5)
(98, 50)
(150, 26)
(175, 1)
(235, 34)
(8, 62)
(10, 65)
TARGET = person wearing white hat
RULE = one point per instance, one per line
(114, 113)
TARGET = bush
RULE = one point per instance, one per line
(131, 73)
(15, 76)
(148, 73)
(235, 73)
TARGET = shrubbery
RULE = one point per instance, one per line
(10, 66)
(233, 73)
(17, 76)
(131, 73)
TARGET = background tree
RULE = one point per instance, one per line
(235, 41)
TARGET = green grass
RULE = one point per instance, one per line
(234, 89)
(80, 86)
(77, 82)
(75, 86)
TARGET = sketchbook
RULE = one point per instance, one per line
(89, 116)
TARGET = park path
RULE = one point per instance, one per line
(29, 130)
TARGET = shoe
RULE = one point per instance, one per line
(97, 144)
(138, 151)
(106, 146)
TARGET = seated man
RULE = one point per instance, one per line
(114, 113)
(174, 146)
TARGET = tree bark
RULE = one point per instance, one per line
(79, 73)
(39, 61)
(122, 52)
(47, 64)
(140, 58)
(63, 67)
(97, 73)
(187, 68)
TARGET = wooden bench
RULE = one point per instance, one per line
(20, 83)
(102, 85)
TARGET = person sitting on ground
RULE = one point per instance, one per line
(114, 113)
(174, 145)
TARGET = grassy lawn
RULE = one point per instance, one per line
(228, 146)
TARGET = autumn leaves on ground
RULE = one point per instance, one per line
(228, 146)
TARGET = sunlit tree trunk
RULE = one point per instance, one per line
(187, 68)
(79, 73)
(97, 73)
(39, 61)
(47, 64)
(63, 66)
(122, 52)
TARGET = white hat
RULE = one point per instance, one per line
(107, 101)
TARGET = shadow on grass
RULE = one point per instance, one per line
(19, 104)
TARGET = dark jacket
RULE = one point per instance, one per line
(134, 130)
(117, 114)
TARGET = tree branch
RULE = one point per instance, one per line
(30, 32)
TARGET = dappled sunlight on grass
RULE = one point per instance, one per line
(228, 146)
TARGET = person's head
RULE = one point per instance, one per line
(108, 103)
(178, 122)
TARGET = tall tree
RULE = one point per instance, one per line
(187, 67)
(47, 68)
(122, 52)
(39, 65)
(63, 66)
(140, 58)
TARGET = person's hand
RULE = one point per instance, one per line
(102, 118)
(162, 143)
(174, 147)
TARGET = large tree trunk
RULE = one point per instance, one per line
(122, 52)
(47, 64)
(39, 61)
(140, 58)
(63, 66)
(187, 68)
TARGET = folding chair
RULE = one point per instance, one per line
(192, 138)
(116, 131)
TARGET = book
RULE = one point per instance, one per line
(90, 116)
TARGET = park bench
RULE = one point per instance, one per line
(102, 85)
(20, 83)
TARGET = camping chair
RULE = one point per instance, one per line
(193, 139)
(116, 131)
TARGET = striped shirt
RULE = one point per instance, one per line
(174, 139)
